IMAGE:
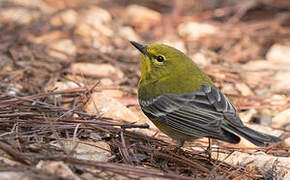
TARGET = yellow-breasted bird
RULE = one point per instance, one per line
(183, 102)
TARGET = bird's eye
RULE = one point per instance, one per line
(159, 58)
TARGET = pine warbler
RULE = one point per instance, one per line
(183, 102)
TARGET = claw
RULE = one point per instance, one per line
(208, 149)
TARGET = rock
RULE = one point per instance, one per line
(106, 82)
(154, 178)
(194, 30)
(95, 28)
(47, 37)
(256, 78)
(18, 15)
(175, 42)
(97, 70)
(244, 89)
(287, 175)
(62, 49)
(43, 6)
(143, 119)
(9, 162)
(281, 79)
(279, 54)
(205, 57)
(14, 89)
(287, 127)
(258, 160)
(89, 176)
(256, 65)
(6, 63)
(112, 92)
(286, 143)
(282, 118)
(24, 12)
(99, 19)
(68, 17)
(277, 100)
(57, 167)
(109, 107)
(94, 151)
(141, 18)
(200, 59)
(228, 88)
(86, 150)
(96, 15)
(93, 37)
(8, 175)
(259, 70)
(264, 119)
(128, 100)
(128, 33)
(246, 116)
(79, 79)
(63, 85)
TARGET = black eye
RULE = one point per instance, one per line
(159, 58)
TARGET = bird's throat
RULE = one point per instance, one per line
(145, 68)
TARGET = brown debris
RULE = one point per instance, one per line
(68, 88)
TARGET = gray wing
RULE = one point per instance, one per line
(198, 114)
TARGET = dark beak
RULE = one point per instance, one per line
(140, 47)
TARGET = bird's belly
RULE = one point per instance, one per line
(172, 133)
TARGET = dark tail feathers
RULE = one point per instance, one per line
(251, 135)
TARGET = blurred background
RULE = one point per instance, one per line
(242, 45)
(80, 50)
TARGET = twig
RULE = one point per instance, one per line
(15, 154)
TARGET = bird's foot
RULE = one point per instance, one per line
(179, 146)
(208, 152)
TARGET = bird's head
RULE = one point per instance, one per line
(160, 61)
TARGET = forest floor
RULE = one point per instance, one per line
(68, 87)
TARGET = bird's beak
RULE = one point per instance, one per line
(140, 47)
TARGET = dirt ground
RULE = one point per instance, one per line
(68, 87)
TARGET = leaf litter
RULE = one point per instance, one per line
(46, 131)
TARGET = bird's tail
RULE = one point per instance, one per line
(257, 138)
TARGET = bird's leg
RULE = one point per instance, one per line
(208, 149)
(180, 144)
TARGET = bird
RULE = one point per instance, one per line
(183, 102)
